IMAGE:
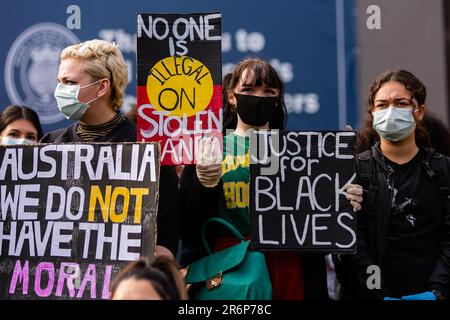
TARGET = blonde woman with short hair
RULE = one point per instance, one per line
(91, 85)
(92, 79)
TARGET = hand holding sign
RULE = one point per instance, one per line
(209, 162)
(302, 202)
(354, 194)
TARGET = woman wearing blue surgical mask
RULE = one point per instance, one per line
(19, 125)
(403, 249)
(91, 86)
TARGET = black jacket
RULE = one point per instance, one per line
(168, 206)
(373, 232)
(200, 203)
(124, 132)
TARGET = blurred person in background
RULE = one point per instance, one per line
(149, 279)
(19, 125)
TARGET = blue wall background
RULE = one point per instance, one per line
(311, 43)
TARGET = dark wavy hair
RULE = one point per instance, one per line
(162, 272)
(368, 136)
(438, 132)
(16, 112)
(263, 74)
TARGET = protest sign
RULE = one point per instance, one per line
(297, 190)
(179, 92)
(73, 215)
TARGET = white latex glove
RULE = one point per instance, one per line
(354, 193)
(209, 162)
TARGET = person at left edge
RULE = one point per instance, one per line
(19, 125)
(91, 85)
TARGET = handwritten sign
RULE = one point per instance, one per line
(297, 191)
(179, 82)
(72, 215)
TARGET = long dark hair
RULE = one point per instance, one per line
(263, 74)
(162, 272)
(16, 112)
(368, 136)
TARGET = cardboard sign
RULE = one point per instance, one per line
(179, 91)
(73, 215)
(297, 191)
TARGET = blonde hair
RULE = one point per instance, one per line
(102, 59)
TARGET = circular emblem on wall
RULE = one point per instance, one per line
(31, 68)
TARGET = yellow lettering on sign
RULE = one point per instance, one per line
(181, 85)
(107, 200)
(97, 196)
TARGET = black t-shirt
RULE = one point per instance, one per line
(414, 227)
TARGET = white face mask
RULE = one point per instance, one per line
(393, 123)
(67, 98)
(9, 141)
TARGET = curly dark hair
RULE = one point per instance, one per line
(439, 133)
(368, 136)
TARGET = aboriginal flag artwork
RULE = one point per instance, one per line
(179, 93)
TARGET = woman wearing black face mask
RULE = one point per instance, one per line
(253, 99)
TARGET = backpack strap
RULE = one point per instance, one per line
(367, 178)
(436, 167)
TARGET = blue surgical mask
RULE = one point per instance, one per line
(394, 124)
(67, 98)
(9, 141)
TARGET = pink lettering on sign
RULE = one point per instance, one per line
(66, 277)
(47, 282)
(47, 291)
(20, 275)
(91, 277)
(107, 279)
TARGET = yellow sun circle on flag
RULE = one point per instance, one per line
(180, 85)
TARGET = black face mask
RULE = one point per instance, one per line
(255, 111)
